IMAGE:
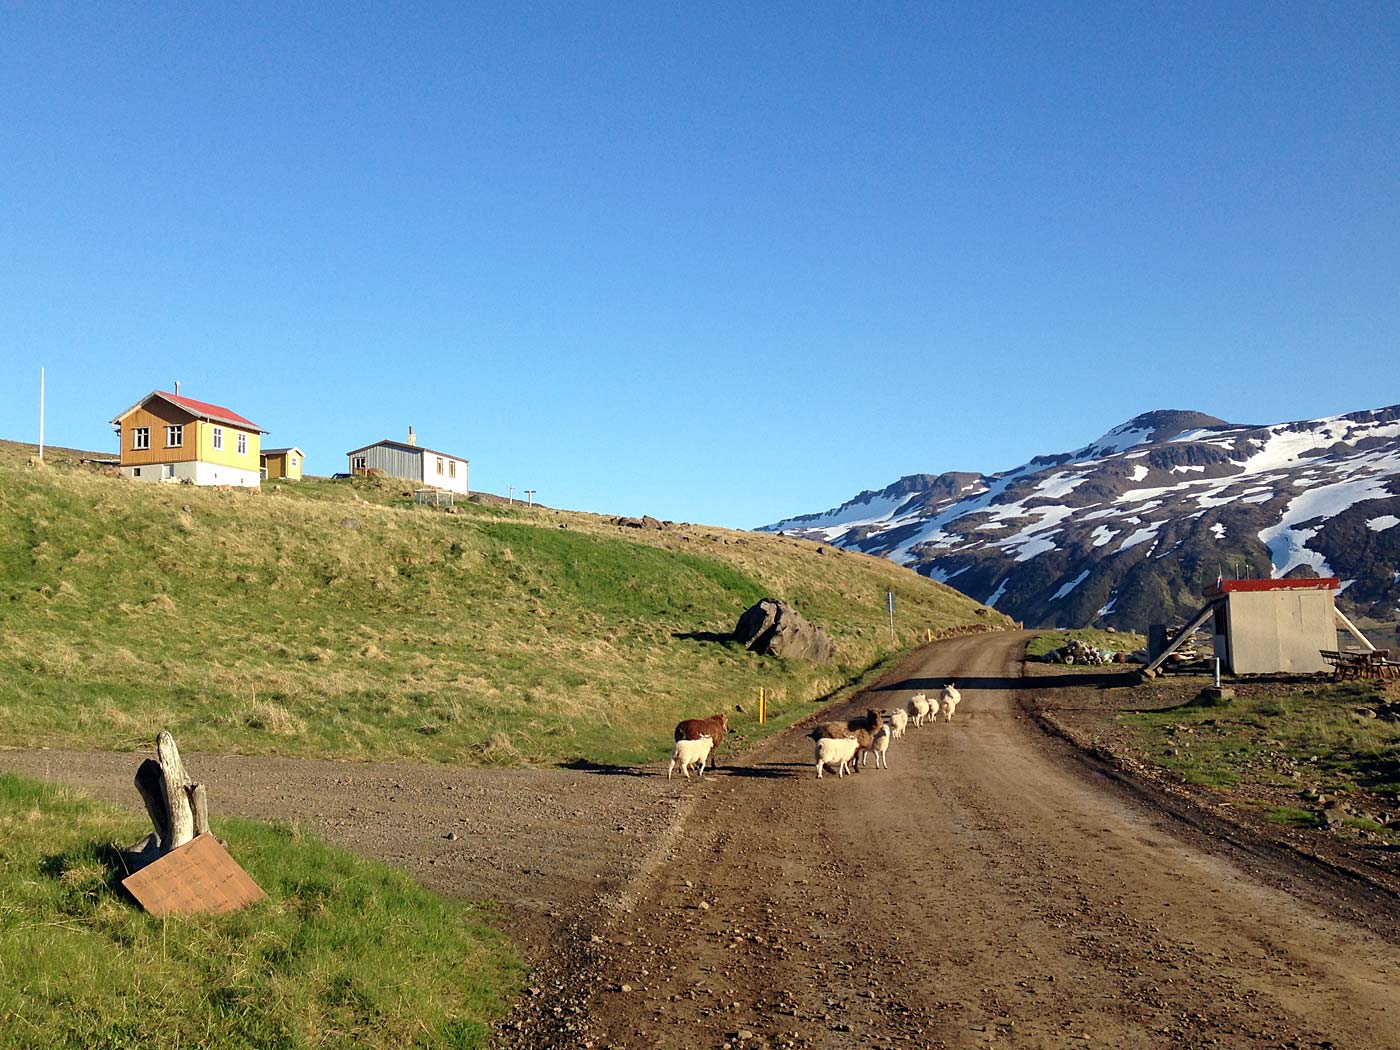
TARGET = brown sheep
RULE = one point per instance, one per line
(830, 731)
(713, 727)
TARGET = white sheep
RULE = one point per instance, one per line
(689, 753)
(836, 752)
(951, 698)
(899, 718)
(880, 745)
(919, 708)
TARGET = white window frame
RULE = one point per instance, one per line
(358, 463)
(242, 444)
(140, 438)
(175, 435)
(439, 466)
(167, 471)
(218, 439)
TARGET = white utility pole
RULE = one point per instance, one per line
(530, 495)
(510, 495)
(41, 414)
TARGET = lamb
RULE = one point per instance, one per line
(837, 752)
(951, 698)
(688, 753)
(899, 719)
(865, 740)
(880, 747)
(919, 708)
(713, 727)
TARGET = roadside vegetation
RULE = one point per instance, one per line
(1313, 756)
(345, 952)
(335, 619)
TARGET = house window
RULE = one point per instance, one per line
(167, 471)
(242, 444)
(141, 437)
(439, 462)
(294, 461)
(135, 472)
(174, 436)
(218, 439)
(451, 468)
(358, 463)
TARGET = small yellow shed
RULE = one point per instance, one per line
(285, 463)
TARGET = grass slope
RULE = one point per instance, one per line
(1270, 749)
(344, 952)
(333, 618)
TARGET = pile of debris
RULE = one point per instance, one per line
(1079, 652)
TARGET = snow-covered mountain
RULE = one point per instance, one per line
(1130, 528)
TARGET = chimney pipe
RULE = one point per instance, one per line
(177, 388)
(411, 439)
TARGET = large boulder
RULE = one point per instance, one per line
(775, 628)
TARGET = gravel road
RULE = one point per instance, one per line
(982, 891)
(985, 890)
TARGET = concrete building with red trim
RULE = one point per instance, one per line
(1270, 626)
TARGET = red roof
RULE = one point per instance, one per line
(208, 411)
(1324, 583)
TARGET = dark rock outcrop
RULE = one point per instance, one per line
(774, 628)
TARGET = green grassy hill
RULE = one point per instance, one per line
(333, 618)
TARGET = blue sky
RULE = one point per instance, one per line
(721, 263)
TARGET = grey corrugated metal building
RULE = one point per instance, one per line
(407, 460)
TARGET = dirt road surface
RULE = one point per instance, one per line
(986, 890)
(982, 891)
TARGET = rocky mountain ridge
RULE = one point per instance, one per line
(1129, 529)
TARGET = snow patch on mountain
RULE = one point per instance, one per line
(1070, 586)
(1288, 540)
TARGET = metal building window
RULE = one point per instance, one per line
(141, 437)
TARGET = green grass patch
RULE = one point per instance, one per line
(345, 952)
(1309, 740)
(1291, 816)
(333, 618)
(1117, 641)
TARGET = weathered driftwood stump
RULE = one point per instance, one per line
(178, 807)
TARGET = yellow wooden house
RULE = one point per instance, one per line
(285, 463)
(166, 437)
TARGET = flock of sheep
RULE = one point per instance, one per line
(841, 746)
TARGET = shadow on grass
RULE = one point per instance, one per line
(103, 854)
(704, 636)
